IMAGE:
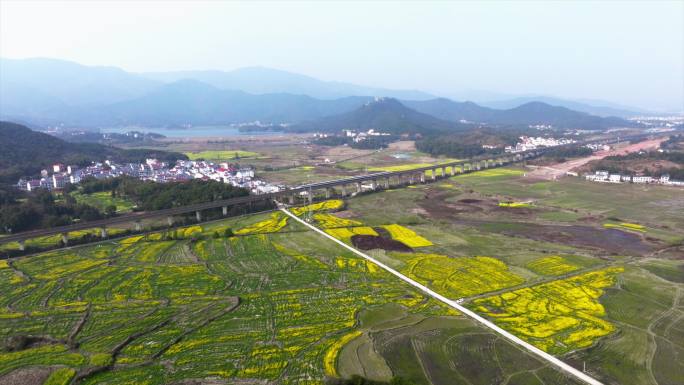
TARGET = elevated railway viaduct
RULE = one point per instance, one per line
(308, 192)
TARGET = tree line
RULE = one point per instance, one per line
(22, 210)
(148, 195)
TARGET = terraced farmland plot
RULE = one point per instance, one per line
(252, 307)
(559, 316)
(458, 277)
(553, 265)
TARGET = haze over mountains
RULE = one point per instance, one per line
(49, 92)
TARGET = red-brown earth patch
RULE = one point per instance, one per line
(369, 242)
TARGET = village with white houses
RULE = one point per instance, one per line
(527, 143)
(606, 177)
(152, 170)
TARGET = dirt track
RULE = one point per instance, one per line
(558, 170)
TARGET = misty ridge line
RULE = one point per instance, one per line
(47, 91)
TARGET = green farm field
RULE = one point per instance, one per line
(279, 304)
(101, 200)
(560, 239)
(273, 305)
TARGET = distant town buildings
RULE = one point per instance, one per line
(153, 170)
(361, 136)
(606, 177)
(531, 143)
(598, 147)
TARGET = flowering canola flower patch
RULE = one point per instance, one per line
(461, 276)
(515, 204)
(558, 316)
(279, 314)
(625, 226)
(345, 233)
(330, 358)
(3, 264)
(406, 236)
(272, 225)
(331, 204)
(552, 265)
(329, 221)
(60, 376)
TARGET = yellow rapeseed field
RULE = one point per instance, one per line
(329, 221)
(272, 225)
(625, 226)
(558, 316)
(330, 358)
(345, 233)
(459, 276)
(552, 265)
(406, 236)
(515, 204)
(331, 204)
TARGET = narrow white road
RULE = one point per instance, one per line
(536, 351)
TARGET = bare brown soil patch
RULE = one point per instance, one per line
(369, 242)
(403, 145)
(469, 201)
(611, 240)
(346, 214)
(26, 376)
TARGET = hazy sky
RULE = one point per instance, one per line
(627, 52)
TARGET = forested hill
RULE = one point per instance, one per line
(385, 115)
(24, 152)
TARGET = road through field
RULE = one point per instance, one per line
(484, 322)
(558, 170)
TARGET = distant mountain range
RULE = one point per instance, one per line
(259, 80)
(598, 108)
(51, 92)
(530, 113)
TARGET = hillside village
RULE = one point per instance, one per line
(152, 170)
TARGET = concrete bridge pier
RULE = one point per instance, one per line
(291, 199)
(328, 192)
(169, 220)
(138, 225)
(410, 179)
(387, 183)
(198, 216)
(444, 172)
(358, 187)
(486, 164)
(103, 232)
(22, 245)
(224, 210)
(344, 190)
(434, 173)
(462, 168)
(65, 239)
(453, 170)
(422, 177)
(477, 165)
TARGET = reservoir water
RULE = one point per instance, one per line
(192, 132)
